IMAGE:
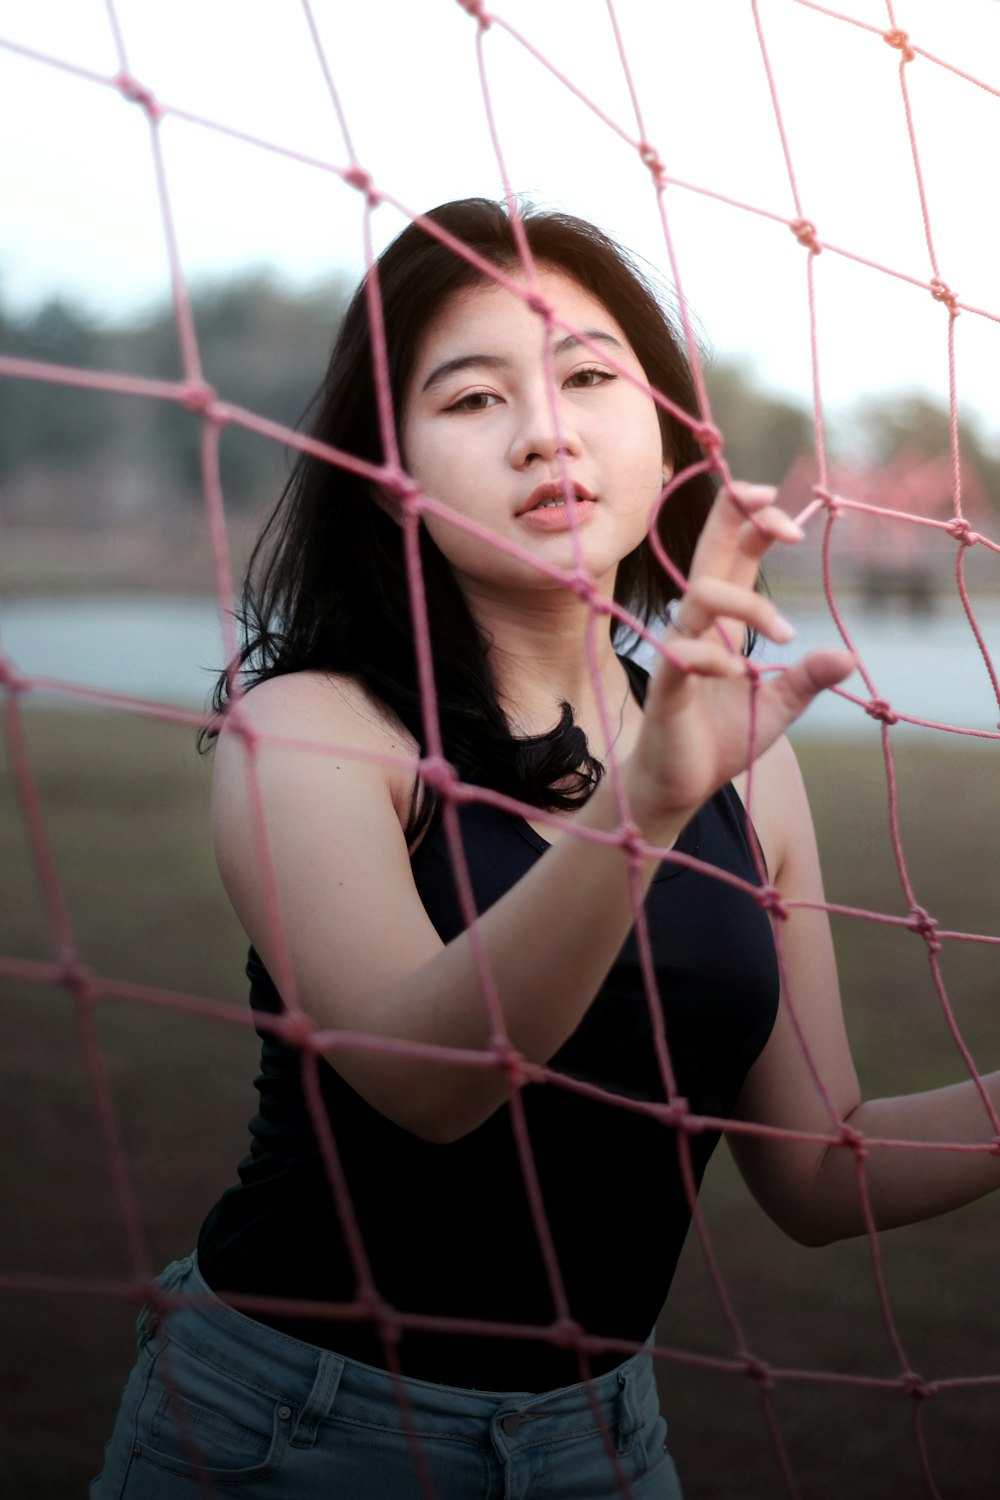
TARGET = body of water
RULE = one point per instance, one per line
(169, 649)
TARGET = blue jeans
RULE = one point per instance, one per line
(219, 1405)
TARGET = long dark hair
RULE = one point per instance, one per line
(326, 588)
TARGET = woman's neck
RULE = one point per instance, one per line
(548, 647)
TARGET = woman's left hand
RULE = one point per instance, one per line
(697, 723)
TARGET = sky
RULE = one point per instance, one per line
(80, 215)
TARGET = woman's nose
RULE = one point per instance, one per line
(544, 432)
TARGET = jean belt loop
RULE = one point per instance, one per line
(171, 1276)
(320, 1399)
(629, 1415)
(150, 1314)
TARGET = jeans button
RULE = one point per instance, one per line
(511, 1425)
(284, 1412)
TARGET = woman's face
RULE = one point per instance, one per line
(486, 435)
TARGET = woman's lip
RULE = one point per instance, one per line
(552, 490)
(558, 517)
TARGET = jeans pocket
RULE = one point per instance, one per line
(200, 1422)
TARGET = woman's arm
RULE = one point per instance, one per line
(362, 953)
(810, 1189)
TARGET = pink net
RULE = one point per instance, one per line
(821, 499)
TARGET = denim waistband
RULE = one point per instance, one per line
(311, 1379)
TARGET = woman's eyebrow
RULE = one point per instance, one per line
(592, 335)
(463, 362)
(497, 362)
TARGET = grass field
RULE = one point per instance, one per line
(126, 806)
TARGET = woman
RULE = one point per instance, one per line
(524, 436)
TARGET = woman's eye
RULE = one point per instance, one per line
(590, 376)
(474, 401)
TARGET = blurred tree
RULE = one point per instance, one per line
(262, 348)
(40, 420)
(912, 423)
(763, 433)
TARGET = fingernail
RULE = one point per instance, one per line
(782, 629)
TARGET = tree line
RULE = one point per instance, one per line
(65, 451)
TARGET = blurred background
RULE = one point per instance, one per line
(105, 580)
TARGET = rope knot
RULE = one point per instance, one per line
(582, 586)
(853, 1140)
(136, 93)
(676, 1113)
(519, 1071)
(942, 292)
(476, 9)
(386, 1319)
(921, 922)
(912, 1384)
(878, 708)
(960, 529)
(537, 303)
(650, 157)
(757, 1370)
(708, 437)
(804, 231)
(295, 1029)
(565, 1334)
(630, 841)
(200, 398)
(769, 899)
(79, 980)
(827, 499)
(372, 1307)
(357, 177)
(901, 42)
(440, 774)
(405, 489)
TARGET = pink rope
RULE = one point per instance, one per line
(67, 967)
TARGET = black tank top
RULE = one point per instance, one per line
(447, 1228)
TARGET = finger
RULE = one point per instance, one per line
(762, 519)
(758, 533)
(701, 656)
(756, 536)
(742, 524)
(791, 692)
(714, 601)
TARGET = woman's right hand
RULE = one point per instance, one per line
(697, 732)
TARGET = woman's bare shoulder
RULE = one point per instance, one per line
(311, 794)
(311, 704)
(285, 717)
